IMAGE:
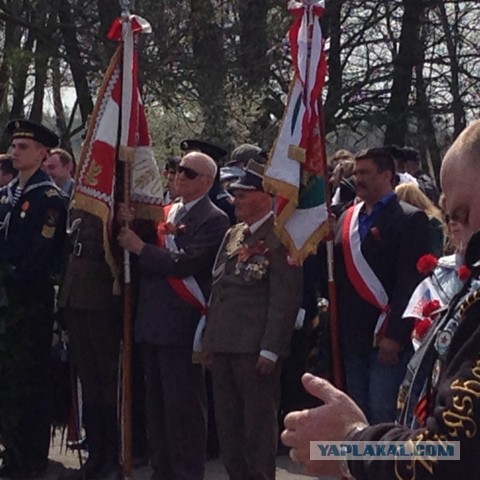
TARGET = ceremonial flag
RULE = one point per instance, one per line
(423, 294)
(296, 172)
(118, 129)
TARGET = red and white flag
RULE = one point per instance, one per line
(118, 130)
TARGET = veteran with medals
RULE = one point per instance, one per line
(256, 295)
(32, 229)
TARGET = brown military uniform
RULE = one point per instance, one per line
(254, 303)
(94, 327)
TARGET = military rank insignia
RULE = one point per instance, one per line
(48, 230)
(51, 193)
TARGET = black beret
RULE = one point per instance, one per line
(23, 128)
(214, 151)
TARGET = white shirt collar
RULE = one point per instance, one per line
(255, 226)
(177, 206)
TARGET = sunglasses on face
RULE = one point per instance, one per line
(190, 173)
(459, 215)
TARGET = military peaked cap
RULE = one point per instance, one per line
(253, 178)
(23, 128)
(214, 151)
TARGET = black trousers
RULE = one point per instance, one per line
(25, 378)
(176, 413)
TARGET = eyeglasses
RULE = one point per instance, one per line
(190, 173)
(459, 215)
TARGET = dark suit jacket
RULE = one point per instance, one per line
(398, 238)
(247, 315)
(163, 318)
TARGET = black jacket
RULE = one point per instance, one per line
(397, 239)
(33, 229)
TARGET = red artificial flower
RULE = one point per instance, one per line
(430, 307)
(168, 228)
(464, 273)
(376, 233)
(246, 252)
(422, 327)
(427, 263)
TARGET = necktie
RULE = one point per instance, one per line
(179, 214)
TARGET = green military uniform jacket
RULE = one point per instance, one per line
(256, 294)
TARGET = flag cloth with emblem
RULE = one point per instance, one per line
(118, 129)
(297, 166)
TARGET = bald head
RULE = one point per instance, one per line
(201, 163)
(460, 179)
(195, 176)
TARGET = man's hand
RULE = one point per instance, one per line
(129, 240)
(125, 214)
(265, 366)
(388, 351)
(331, 422)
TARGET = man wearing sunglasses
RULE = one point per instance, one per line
(166, 321)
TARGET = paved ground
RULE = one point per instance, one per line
(62, 461)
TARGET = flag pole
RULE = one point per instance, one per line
(337, 367)
(126, 404)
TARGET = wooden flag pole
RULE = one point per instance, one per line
(126, 377)
(337, 368)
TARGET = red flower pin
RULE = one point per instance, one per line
(427, 264)
(430, 307)
(422, 327)
(375, 233)
(464, 273)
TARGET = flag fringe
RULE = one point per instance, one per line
(90, 205)
(308, 248)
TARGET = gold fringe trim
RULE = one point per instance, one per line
(95, 207)
(310, 246)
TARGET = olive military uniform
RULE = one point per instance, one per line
(94, 324)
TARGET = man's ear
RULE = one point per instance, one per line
(389, 176)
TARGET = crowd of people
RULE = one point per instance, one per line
(224, 317)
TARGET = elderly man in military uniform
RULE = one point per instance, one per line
(33, 215)
(256, 295)
(451, 358)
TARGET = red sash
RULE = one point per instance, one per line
(363, 278)
(186, 288)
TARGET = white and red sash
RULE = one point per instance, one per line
(187, 288)
(363, 278)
